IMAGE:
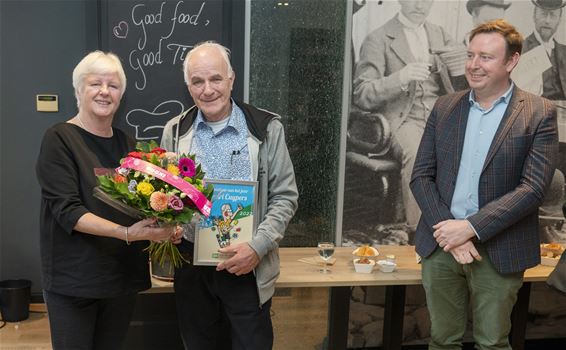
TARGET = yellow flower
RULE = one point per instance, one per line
(173, 169)
(145, 188)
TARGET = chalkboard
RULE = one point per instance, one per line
(152, 39)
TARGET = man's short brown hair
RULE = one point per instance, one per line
(513, 38)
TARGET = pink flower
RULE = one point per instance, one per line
(176, 203)
(158, 201)
(187, 167)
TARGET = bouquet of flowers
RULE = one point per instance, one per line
(152, 182)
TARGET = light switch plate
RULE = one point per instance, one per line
(47, 103)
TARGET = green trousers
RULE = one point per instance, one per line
(453, 289)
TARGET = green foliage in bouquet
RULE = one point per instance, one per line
(152, 197)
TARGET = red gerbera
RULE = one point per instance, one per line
(158, 150)
(138, 155)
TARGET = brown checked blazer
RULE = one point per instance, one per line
(518, 167)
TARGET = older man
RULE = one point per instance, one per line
(486, 158)
(400, 76)
(228, 307)
(547, 15)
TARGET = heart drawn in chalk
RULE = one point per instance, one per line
(121, 30)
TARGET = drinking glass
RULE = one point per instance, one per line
(325, 250)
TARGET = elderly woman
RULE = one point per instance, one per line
(93, 259)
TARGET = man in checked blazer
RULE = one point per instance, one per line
(484, 162)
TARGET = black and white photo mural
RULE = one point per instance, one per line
(406, 53)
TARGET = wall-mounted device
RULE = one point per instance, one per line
(47, 103)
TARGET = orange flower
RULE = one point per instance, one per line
(120, 179)
(158, 201)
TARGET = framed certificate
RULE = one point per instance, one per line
(232, 220)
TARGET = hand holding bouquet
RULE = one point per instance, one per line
(152, 182)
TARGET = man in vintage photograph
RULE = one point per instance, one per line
(398, 77)
(486, 10)
(485, 160)
(547, 16)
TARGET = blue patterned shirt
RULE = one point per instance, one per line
(223, 155)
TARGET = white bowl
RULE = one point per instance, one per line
(386, 266)
(364, 268)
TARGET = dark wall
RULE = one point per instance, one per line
(153, 54)
(41, 41)
(40, 44)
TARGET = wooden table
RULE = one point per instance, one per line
(343, 277)
(296, 274)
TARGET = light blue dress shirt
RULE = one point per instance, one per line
(480, 131)
(223, 155)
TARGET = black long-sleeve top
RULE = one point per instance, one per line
(75, 263)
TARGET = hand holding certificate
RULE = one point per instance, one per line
(243, 259)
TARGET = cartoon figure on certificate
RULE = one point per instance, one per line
(226, 224)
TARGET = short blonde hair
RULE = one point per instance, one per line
(98, 62)
(224, 52)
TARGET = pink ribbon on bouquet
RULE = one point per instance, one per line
(200, 200)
